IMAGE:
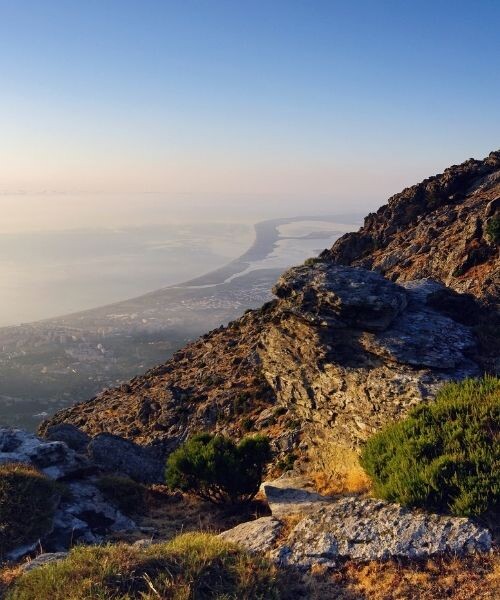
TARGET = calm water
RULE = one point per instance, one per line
(48, 274)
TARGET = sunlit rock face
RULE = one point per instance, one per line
(352, 351)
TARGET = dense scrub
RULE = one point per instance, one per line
(192, 566)
(27, 503)
(216, 469)
(445, 455)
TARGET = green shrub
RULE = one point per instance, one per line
(445, 455)
(216, 469)
(27, 503)
(193, 566)
(123, 492)
(493, 229)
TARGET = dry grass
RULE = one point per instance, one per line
(170, 514)
(474, 577)
(7, 576)
(192, 566)
(336, 470)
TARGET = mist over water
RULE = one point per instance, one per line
(50, 273)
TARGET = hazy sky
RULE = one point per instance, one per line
(254, 107)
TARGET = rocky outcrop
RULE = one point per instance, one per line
(54, 459)
(82, 514)
(351, 351)
(367, 529)
(329, 530)
(353, 340)
(438, 229)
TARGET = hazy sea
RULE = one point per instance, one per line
(47, 274)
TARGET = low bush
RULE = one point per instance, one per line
(123, 492)
(27, 503)
(445, 455)
(493, 229)
(191, 566)
(218, 470)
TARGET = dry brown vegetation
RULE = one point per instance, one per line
(170, 514)
(474, 577)
(337, 470)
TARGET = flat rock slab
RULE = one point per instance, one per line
(365, 529)
(362, 529)
(292, 494)
(256, 536)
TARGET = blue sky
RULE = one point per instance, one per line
(323, 101)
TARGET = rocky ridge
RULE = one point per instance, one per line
(342, 350)
(437, 228)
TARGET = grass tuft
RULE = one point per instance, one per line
(192, 566)
(27, 503)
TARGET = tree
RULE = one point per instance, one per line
(216, 469)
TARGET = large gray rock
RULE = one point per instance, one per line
(341, 295)
(330, 529)
(114, 453)
(367, 529)
(54, 459)
(256, 536)
(292, 494)
(349, 351)
(73, 437)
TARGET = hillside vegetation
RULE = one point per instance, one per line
(192, 566)
(445, 455)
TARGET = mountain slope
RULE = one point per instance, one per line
(342, 350)
(437, 228)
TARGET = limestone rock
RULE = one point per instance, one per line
(292, 494)
(351, 375)
(342, 297)
(367, 529)
(352, 527)
(256, 536)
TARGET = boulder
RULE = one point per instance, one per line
(54, 459)
(292, 494)
(73, 437)
(351, 527)
(256, 536)
(366, 529)
(343, 296)
(116, 454)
